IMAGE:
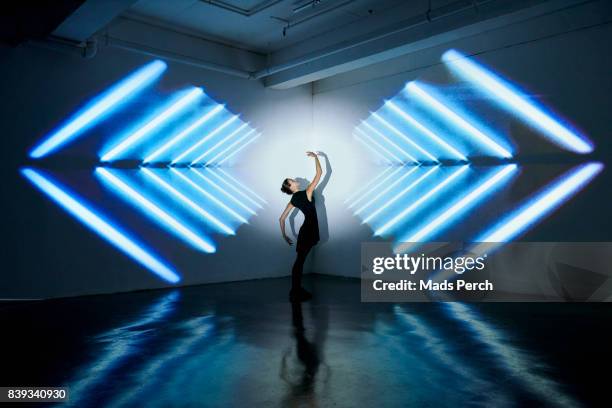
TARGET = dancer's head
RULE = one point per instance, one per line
(290, 186)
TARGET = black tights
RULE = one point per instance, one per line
(298, 267)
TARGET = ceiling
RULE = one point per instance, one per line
(266, 26)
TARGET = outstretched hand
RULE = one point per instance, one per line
(311, 154)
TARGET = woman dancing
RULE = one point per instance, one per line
(309, 231)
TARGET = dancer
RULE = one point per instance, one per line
(308, 235)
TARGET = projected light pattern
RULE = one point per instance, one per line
(95, 110)
(427, 143)
(104, 228)
(165, 164)
(513, 100)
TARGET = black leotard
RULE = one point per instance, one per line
(309, 231)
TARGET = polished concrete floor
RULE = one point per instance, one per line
(243, 345)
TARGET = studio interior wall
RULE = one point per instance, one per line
(47, 253)
(562, 60)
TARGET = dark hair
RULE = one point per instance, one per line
(285, 187)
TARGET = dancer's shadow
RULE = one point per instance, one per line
(301, 378)
(319, 198)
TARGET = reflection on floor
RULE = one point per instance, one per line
(242, 344)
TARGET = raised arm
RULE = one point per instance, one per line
(282, 219)
(317, 177)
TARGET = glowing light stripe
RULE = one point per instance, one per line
(228, 148)
(238, 150)
(100, 226)
(92, 113)
(408, 118)
(209, 196)
(400, 195)
(385, 138)
(173, 191)
(386, 190)
(403, 136)
(458, 120)
(229, 176)
(381, 147)
(501, 91)
(374, 188)
(543, 203)
(158, 213)
(420, 201)
(222, 191)
(367, 185)
(184, 133)
(231, 186)
(461, 204)
(372, 149)
(205, 139)
(221, 142)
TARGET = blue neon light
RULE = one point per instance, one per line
(205, 139)
(468, 199)
(176, 107)
(367, 194)
(378, 145)
(511, 99)
(226, 158)
(389, 224)
(401, 194)
(385, 190)
(423, 96)
(156, 213)
(183, 198)
(209, 196)
(550, 198)
(94, 111)
(372, 149)
(112, 234)
(237, 190)
(367, 185)
(229, 176)
(408, 118)
(224, 151)
(184, 133)
(385, 138)
(229, 148)
(221, 142)
(403, 136)
(223, 191)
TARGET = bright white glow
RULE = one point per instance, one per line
(457, 120)
(151, 125)
(381, 147)
(365, 186)
(222, 191)
(221, 142)
(239, 149)
(545, 202)
(408, 118)
(420, 201)
(208, 216)
(228, 148)
(403, 136)
(157, 213)
(501, 92)
(386, 190)
(385, 138)
(100, 226)
(459, 205)
(209, 196)
(231, 186)
(372, 149)
(400, 195)
(205, 139)
(184, 133)
(367, 194)
(93, 112)
(229, 176)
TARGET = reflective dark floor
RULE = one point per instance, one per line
(242, 344)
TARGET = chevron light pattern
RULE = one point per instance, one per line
(432, 153)
(169, 166)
